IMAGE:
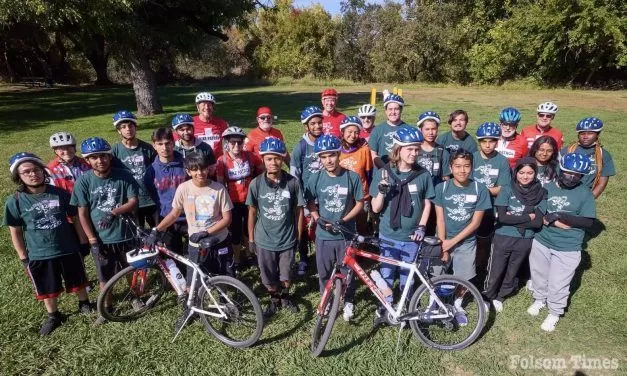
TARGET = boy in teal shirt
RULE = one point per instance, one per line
(458, 138)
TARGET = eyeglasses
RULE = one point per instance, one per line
(236, 142)
(32, 171)
(367, 118)
(265, 117)
(546, 116)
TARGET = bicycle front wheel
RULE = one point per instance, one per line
(467, 312)
(242, 321)
(131, 293)
(326, 319)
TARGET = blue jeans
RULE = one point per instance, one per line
(403, 251)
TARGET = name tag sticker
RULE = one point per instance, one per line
(286, 194)
(53, 203)
(342, 190)
(436, 165)
(223, 251)
(471, 198)
(412, 188)
(494, 171)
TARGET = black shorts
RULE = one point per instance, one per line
(217, 260)
(49, 276)
(112, 259)
(486, 227)
(148, 214)
(239, 222)
(275, 266)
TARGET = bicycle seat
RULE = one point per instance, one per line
(432, 240)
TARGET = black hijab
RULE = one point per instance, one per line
(531, 194)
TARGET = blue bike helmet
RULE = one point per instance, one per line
(272, 145)
(95, 145)
(406, 135)
(143, 258)
(122, 116)
(488, 130)
(310, 112)
(575, 163)
(589, 124)
(350, 120)
(509, 115)
(327, 144)
(393, 98)
(428, 115)
(182, 119)
(22, 157)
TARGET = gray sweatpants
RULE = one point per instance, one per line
(328, 252)
(551, 274)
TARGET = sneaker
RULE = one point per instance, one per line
(85, 308)
(349, 311)
(498, 305)
(302, 268)
(137, 304)
(379, 316)
(271, 309)
(461, 318)
(51, 323)
(288, 305)
(534, 309)
(550, 322)
(183, 320)
(101, 320)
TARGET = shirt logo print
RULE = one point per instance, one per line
(276, 211)
(459, 213)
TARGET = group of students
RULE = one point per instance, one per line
(510, 198)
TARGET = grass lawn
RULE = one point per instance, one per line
(594, 326)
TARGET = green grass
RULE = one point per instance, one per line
(594, 325)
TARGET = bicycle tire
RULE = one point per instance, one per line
(424, 329)
(326, 320)
(242, 299)
(124, 297)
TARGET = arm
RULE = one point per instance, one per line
(571, 221)
(82, 237)
(359, 206)
(425, 212)
(169, 219)
(17, 237)
(222, 223)
(252, 219)
(494, 191)
(86, 224)
(600, 186)
(376, 159)
(463, 234)
(508, 219)
(128, 207)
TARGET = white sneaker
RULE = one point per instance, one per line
(549, 323)
(498, 305)
(302, 268)
(349, 311)
(534, 309)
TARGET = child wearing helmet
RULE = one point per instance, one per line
(336, 195)
(331, 117)
(588, 143)
(556, 249)
(401, 191)
(545, 114)
(102, 194)
(236, 168)
(263, 130)
(208, 128)
(67, 166)
(511, 145)
(135, 155)
(183, 126)
(460, 203)
(367, 113)
(37, 216)
(457, 137)
(544, 150)
(275, 204)
(381, 137)
(491, 169)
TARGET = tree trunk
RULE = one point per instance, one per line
(98, 57)
(7, 63)
(144, 86)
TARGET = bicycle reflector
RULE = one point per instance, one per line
(141, 258)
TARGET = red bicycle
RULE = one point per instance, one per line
(445, 312)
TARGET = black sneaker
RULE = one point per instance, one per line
(184, 320)
(288, 305)
(51, 323)
(271, 309)
(85, 308)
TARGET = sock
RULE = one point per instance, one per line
(54, 315)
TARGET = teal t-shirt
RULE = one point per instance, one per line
(276, 226)
(44, 221)
(200, 147)
(304, 162)
(543, 174)
(507, 198)
(380, 140)
(101, 195)
(420, 188)
(336, 196)
(608, 168)
(451, 144)
(136, 161)
(491, 172)
(436, 162)
(460, 204)
(578, 201)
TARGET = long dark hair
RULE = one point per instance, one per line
(552, 163)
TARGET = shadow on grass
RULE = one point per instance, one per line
(304, 306)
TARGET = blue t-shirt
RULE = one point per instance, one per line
(162, 179)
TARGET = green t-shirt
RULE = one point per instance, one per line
(578, 201)
(460, 204)
(199, 147)
(276, 226)
(101, 195)
(608, 168)
(136, 161)
(436, 162)
(44, 220)
(543, 173)
(507, 198)
(336, 196)
(491, 172)
(451, 144)
(304, 162)
(420, 188)
(380, 140)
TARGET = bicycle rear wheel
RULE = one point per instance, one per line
(131, 293)
(243, 321)
(326, 319)
(452, 333)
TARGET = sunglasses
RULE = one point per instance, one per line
(546, 116)
(366, 117)
(510, 125)
(236, 142)
(265, 117)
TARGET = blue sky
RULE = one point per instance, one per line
(332, 6)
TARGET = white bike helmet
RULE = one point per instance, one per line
(205, 97)
(547, 108)
(233, 131)
(367, 110)
(62, 139)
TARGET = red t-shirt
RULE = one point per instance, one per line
(331, 124)
(63, 175)
(237, 175)
(532, 133)
(254, 138)
(209, 132)
(365, 133)
(513, 150)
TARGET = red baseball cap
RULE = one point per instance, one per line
(264, 110)
(329, 92)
